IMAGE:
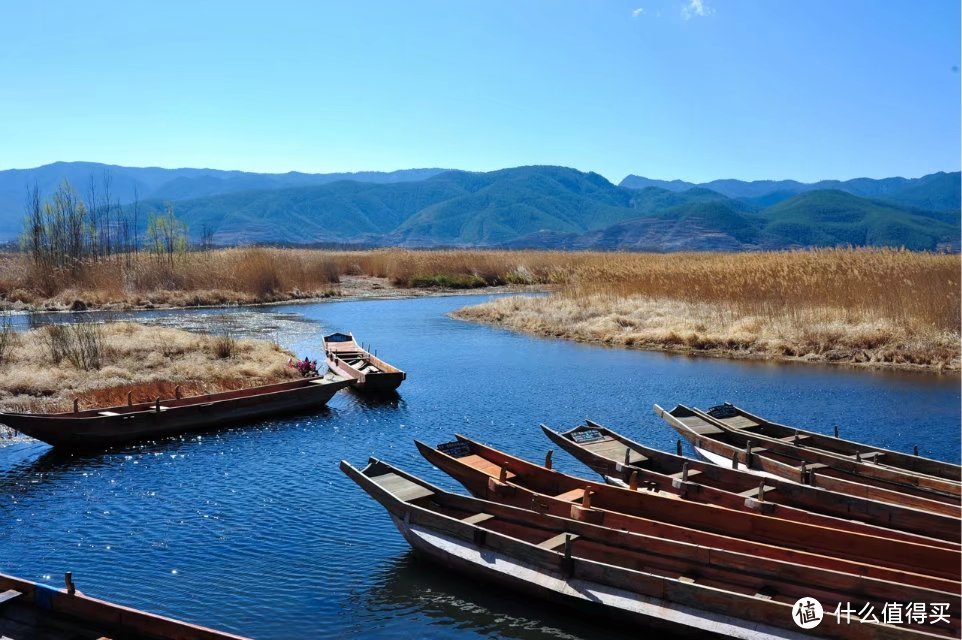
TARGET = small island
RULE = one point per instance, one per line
(44, 370)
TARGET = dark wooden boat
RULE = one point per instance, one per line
(938, 475)
(625, 462)
(29, 610)
(736, 450)
(493, 475)
(347, 358)
(624, 577)
(132, 422)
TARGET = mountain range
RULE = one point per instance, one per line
(534, 207)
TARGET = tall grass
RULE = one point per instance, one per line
(883, 307)
(917, 291)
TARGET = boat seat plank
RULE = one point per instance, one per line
(738, 422)
(477, 518)
(753, 493)
(613, 450)
(484, 465)
(868, 455)
(816, 465)
(700, 426)
(691, 473)
(557, 541)
(402, 488)
(790, 439)
(107, 414)
(9, 595)
(575, 495)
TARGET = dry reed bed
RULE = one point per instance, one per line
(871, 307)
(260, 274)
(884, 306)
(148, 361)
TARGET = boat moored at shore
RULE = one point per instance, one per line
(134, 422)
(347, 358)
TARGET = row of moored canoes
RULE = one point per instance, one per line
(737, 549)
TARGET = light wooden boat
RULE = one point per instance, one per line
(29, 610)
(624, 577)
(732, 417)
(736, 450)
(618, 458)
(132, 422)
(493, 475)
(347, 358)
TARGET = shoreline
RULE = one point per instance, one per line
(358, 288)
(491, 314)
(44, 369)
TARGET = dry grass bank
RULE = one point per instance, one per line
(868, 307)
(885, 307)
(149, 361)
(259, 274)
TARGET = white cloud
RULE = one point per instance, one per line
(637, 12)
(696, 8)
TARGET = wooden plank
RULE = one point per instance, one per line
(557, 541)
(738, 422)
(9, 595)
(575, 495)
(691, 474)
(790, 439)
(477, 518)
(484, 465)
(753, 492)
(401, 487)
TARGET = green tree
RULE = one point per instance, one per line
(166, 235)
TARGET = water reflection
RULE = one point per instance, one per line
(253, 529)
(411, 585)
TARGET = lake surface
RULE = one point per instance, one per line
(255, 530)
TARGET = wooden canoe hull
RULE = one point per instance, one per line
(654, 514)
(142, 422)
(716, 484)
(904, 480)
(90, 617)
(750, 423)
(791, 469)
(457, 532)
(347, 358)
(380, 382)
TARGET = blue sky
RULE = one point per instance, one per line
(689, 89)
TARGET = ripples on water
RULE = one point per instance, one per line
(255, 530)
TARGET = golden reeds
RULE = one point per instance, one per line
(879, 307)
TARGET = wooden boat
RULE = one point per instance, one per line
(493, 475)
(734, 449)
(132, 422)
(32, 610)
(347, 358)
(732, 417)
(625, 577)
(617, 458)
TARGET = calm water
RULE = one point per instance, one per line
(256, 531)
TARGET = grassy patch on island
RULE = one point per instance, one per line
(45, 369)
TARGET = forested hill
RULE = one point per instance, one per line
(551, 207)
